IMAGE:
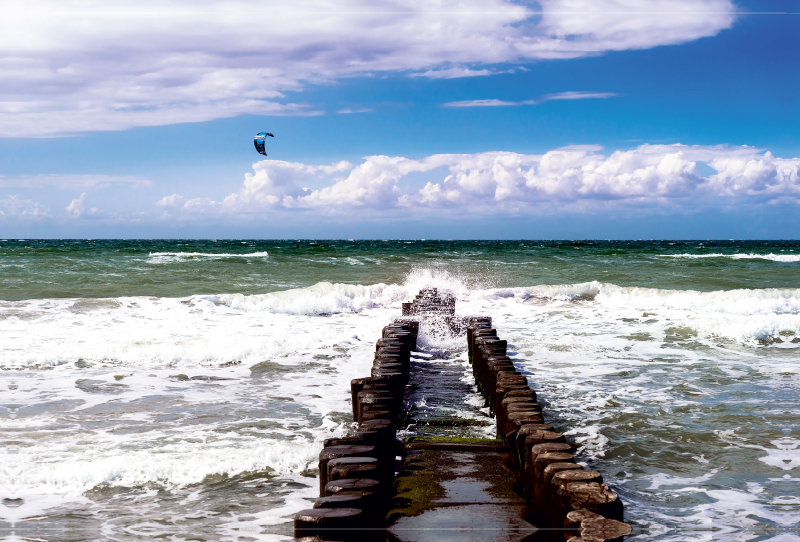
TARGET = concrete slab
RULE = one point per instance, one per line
(465, 523)
(459, 462)
(458, 495)
(463, 444)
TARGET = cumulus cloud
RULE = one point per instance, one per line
(77, 208)
(175, 200)
(14, 206)
(646, 175)
(274, 183)
(570, 95)
(68, 66)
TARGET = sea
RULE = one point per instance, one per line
(181, 389)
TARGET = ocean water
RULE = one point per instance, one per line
(182, 389)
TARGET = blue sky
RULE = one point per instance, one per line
(492, 119)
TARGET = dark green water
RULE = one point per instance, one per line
(35, 269)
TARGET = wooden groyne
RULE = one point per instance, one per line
(522, 485)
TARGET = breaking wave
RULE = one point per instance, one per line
(210, 329)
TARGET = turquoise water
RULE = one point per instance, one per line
(182, 389)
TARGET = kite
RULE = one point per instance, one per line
(259, 141)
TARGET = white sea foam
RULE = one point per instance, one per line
(179, 463)
(614, 362)
(785, 455)
(167, 257)
(214, 329)
(322, 298)
(115, 424)
(741, 315)
(750, 256)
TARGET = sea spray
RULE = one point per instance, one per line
(187, 397)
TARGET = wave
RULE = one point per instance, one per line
(179, 465)
(165, 257)
(326, 298)
(322, 298)
(740, 301)
(208, 330)
(742, 315)
(750, 256)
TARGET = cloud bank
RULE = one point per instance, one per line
(68, 66)
(569, 178)
(16, 207)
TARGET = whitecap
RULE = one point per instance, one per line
(751, 256)
(167, 257)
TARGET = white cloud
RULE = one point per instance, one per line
(72, 182)
(453, 73)
(753, 175)
(68, 66)
(570, 95)
(481, 103)
(577, 95)
(274, 183)
(647, 175)
(347, 110)
(175, 200)
(77, 208)
(17, 207)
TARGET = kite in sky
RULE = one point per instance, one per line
(259, 141)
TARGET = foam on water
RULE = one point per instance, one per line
(741, 315)
(322, 298)
(155, 391)
(180, 463)
(167, 257)
(169, 393)
(215, 329)
(642, 382)
(750, 256)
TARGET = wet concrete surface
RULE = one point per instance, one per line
(442, 400)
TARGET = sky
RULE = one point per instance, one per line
(477, 119)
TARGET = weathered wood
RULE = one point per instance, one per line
(341, 462)
(595, 499)
(560, 497)
(363, 500)
(332, 452)
(327, 521)
(572, 522)
(604, 530)
(353, 470)
(351, 484)
(541, 462)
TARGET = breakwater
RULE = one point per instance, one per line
(522, 485)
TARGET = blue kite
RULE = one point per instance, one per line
(259, 141)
